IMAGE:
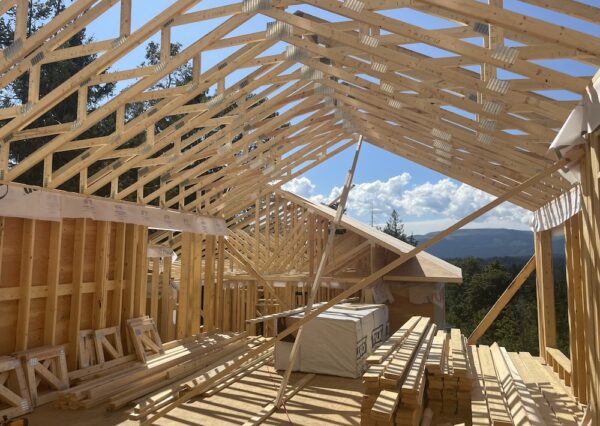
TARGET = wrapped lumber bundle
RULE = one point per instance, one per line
(395, 381)
(517, 389)
(448, 374)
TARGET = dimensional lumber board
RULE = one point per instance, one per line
(499, 414)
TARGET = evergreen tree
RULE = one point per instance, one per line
(52, 75)
(395, 228)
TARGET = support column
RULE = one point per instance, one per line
(545, 291)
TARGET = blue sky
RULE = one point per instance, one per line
(401, 181)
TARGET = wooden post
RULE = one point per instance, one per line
(590, 246)
(209, 283)
(54, 249)
(101, 275)
(166, 320)
(545, 291)
(117, 303)
(75, 314)
(27, 249)
(182, 302)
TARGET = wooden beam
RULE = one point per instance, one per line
(502, 301)
(545, 291)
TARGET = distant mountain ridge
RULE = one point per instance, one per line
(486, 243)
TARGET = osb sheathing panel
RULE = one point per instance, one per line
(10, 280)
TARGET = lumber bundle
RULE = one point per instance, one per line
(516, 389)
(395, 380)
(448, 374)
(127, 378)
(214, 362)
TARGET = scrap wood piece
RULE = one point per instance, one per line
(13, 388)
(269, 409)
(87, 352)
(104, 346)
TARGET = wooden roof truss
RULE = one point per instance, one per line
(328, 81)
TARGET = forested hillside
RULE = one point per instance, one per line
(516, 327)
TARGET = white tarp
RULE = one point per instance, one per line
(337, 341)
(584, 119)
(35, 203)
(557, 211)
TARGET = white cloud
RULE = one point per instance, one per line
(423, 208)
(300, 185)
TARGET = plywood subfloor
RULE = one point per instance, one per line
(325, 400)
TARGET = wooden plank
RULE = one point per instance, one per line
(99, 307)
(54, 258)
(184, 283)
(131, 243)
(511, 394)
(166, 305)
(499, 415)
(502, 301)
(120, 256)
(545, 291)
(385, 405)
(480, 414)
(141, 274)
(398, 368)
(209, 283)
(25, 283)
(154, 289)
(75, 311)
(531, 409)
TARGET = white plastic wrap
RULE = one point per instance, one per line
(338, 341)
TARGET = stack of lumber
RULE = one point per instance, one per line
(127, 378)
(395, 380)
(517, 389)
(448, 374)
(159, 398)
